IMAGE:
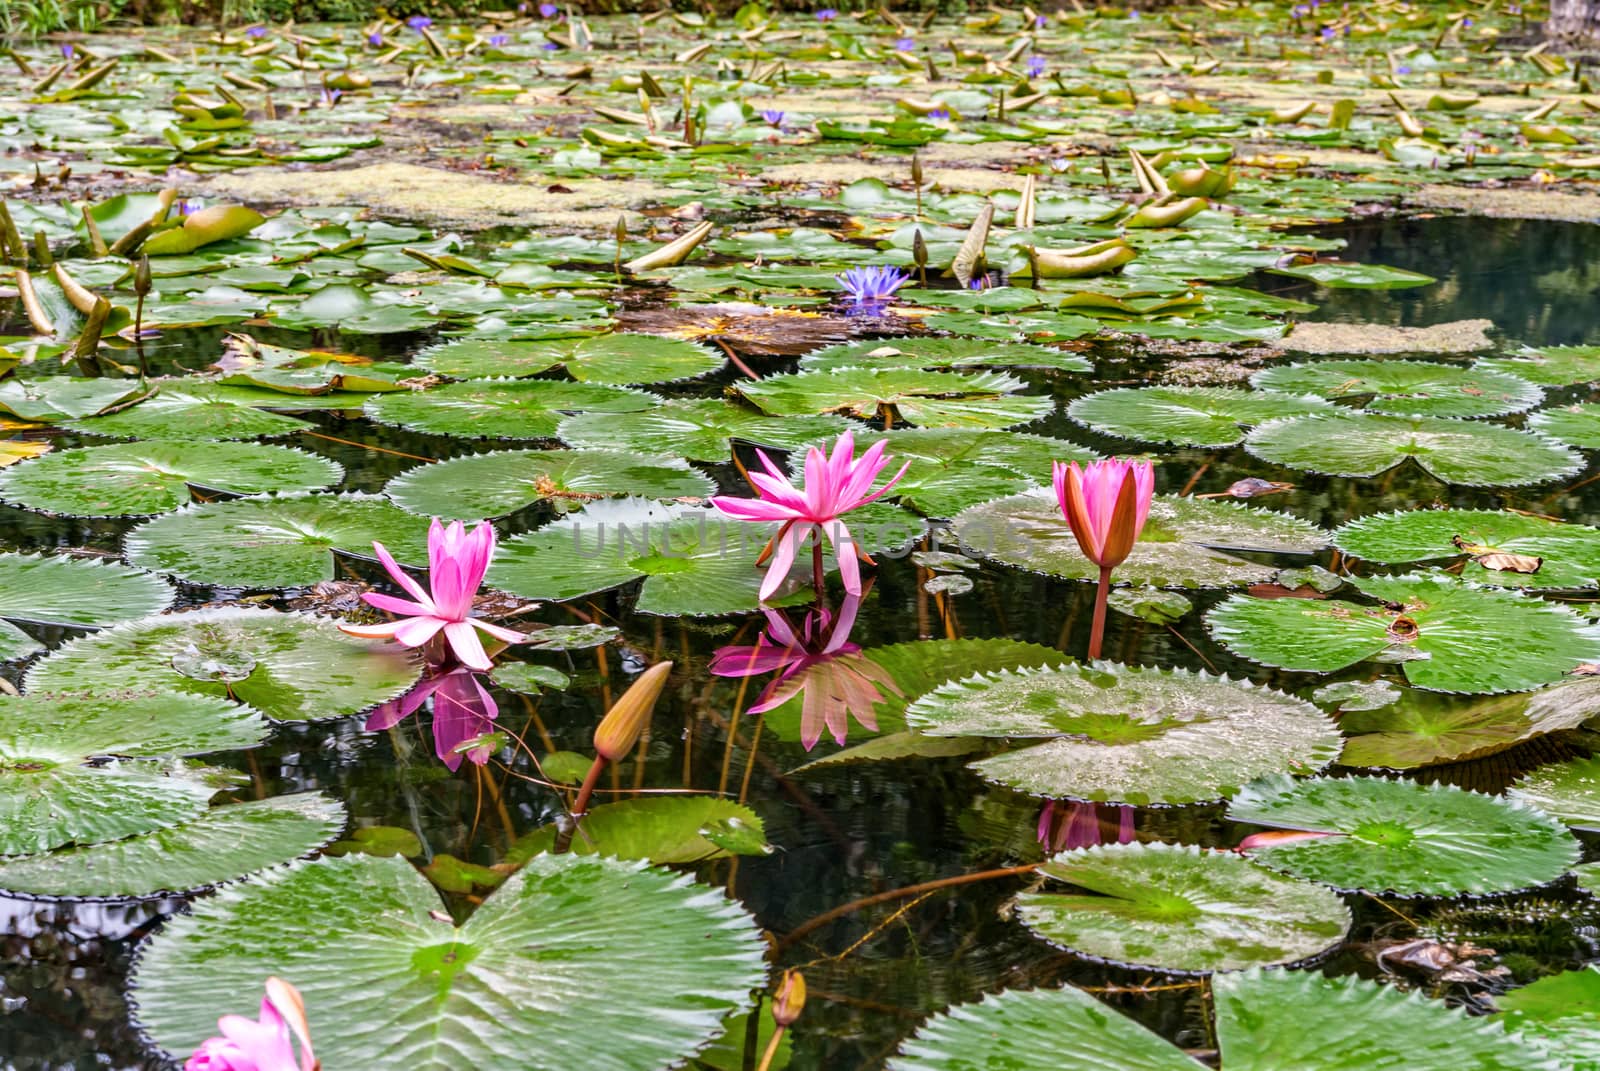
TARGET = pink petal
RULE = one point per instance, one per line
(404, 607)
(783, 554)
(880, 492)
(383, 631)
(499, 632)
(752, 509)
(416, 631)
(463, 640)
(844, 552)
(841, 628)
(400, 576)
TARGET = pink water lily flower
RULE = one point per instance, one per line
(1106, 504)
(1066, 826)
(835, 485)
(463, 713)
(457, 560)
(264, 1044)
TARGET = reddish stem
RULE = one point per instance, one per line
(1097, 630)
(580, 806)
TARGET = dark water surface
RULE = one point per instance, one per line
(848, 832)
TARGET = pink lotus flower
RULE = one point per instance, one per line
(463, 713)
(265, 1044)
(457, 560)
(1106, 503)
(1063, 827)
(834, 486)
(818, 661)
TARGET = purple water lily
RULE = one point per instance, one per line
(873, 285)
(905, 44)
(419, 22)
(1036, 66)
(1041, 21)
(68, 51)
(772, 117)
(827, 14)
(375, 39)
(549, 46)
(499, 40)
(548, 11)
(330, 97)
(1327, 33)
(939, 113)
(186, 207)
(256, 31)
(463, 711)
(1402, 70)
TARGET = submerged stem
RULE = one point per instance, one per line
(579, 807)
(1097, 630)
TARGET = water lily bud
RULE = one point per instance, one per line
(919, 249)
(620, 729)
(622, 229)
(141, 277)
(790, 1000)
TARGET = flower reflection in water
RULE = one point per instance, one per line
(463, 713)
(815, 660)
(1065, 826)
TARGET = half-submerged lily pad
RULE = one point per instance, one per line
(1569, 791)
(901, 395)
(1188, 416)
(1406, 387)
(1182, 908)
(496, 484)
(501, 409)
(1128, 734)
(1341, 275)
(660, 829)
(82, 593)
(1551, 366)
(570, 948)
(1448, 636)
(1575, 425)
(932, 353)
(1508, 550)
(282, 541)
(700, 429)
(140, 479)
(52, 793)
(190, 411)
(617, 358)
(1184, 544)
(1405, 838)
(219, 845)
(1559, 1012)
(1264, 1018)
(291, 667)
(1461, 452)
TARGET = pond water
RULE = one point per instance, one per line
(844, 832)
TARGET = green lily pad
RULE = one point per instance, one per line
(1405, 838)
(1406, 387)
(616, 358)
(77, 592)
(1184, 544)
(140, 479)
(652, 962)
(955, 468)
(1560, 1012)
(189, 412)
(1179, 908)
(699, 429)
(660, 829)
(501, 409)
(496, 484)
(1126, 734)
(1570, 553)
(1187, 416)
(1456, 451)
(1150, 604)
(1550, 366)
(1569, 791)
(529, 679)
(909, 395)
(58, 398)
(933, 353)
(219, 845)
(52, 793)
(1449, 636)
(1426, 728)
(1356, 276)
(290, 667)
(280, 541)
(1575, 425)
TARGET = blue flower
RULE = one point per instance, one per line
(187, 207)
(548, 11)
(375, 39)
(1134, 15)
(939, 113)
(67, 50)
(1327, 33)
(874, 285)
(499, 39)
(330, 97)
(256, 31)
(1402, 70)
(549, 46)
(773, 117)
(1466, 22)
(1041, 21)
(827, 14)
(905, 44)
(419, 22)
(1036, 66)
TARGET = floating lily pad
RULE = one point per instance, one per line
(1569, 553)
(1456, 451)
(1550, 366)
(660, 829)
(1425, 728)
(1560, 1012)
(529, 679)
(1569, 791)
(700, 429)
(1187, 416)
(188, 413)
(1332, 1024)
(291, 667)
(652, 962)
(139, 479)
(1575, 425)
(1150, 604)
(218, 845)
(1449, 636)
(1181, 908)
(1406, 387)
(617, 358)
(282, 541)
(501, 409)
(954, 468)
(1406, 838)
(59, 398)
(1184, 544)
(1356, 276)
(1127, 734)
(943, 353)
(78, 592)
(52, 794)
(496, 484)
(908, 395)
